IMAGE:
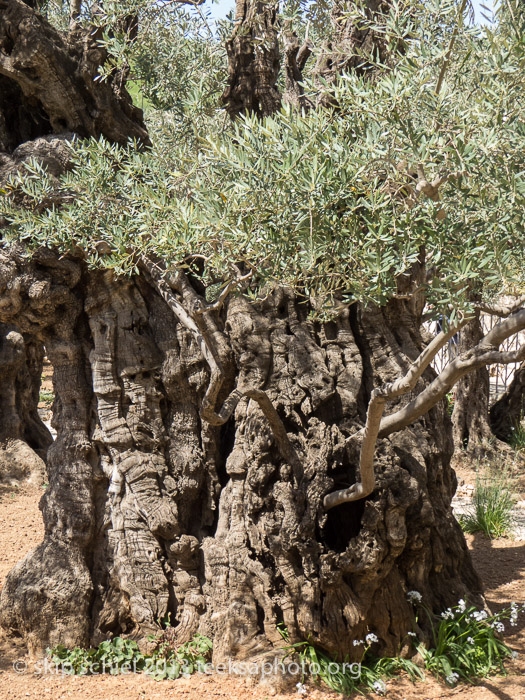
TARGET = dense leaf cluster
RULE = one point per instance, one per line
(326, 201)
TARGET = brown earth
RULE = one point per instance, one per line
(501, 564)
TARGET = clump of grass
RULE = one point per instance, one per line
(517, 436)
(347, 678)
(466, 644)
(491, 511)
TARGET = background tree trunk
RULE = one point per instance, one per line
(470, 417)
(151, 510)
(253, 60)
(509, 409)
(21, 363)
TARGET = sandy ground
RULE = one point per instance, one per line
(501, 564)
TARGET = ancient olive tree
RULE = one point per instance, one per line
(249, 430)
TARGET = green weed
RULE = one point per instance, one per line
(118, 655)
(517, 437)
(491, 512)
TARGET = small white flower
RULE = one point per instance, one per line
(479, 615)
(514, 654)
(453, 678)
(371, 638)
(462, 605)
(498, 626)
(411, 634)
(379, 687)
(470, 640)
(414, 597)
(448, 614)
(358, 642)
(301, 689)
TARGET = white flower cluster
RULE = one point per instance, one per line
(498, 626)
(513, 614)
(414, 597)
(301, 689)
(453, 678)
(379, 687)
(358, 642)
(371, 638)
(479, 615)
(462, 605)
(448, 614)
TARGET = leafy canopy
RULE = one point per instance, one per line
(323, 201)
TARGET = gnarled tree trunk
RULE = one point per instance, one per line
(509, 410)
(470, 417)
(150, 509)
(47, 94)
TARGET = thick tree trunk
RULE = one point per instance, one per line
(150, 509)
(509, 409)
(470, 417)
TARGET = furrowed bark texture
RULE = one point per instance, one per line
(253, 60)
(150, 509)
(470, 417)
(48, 94)
(48, 86)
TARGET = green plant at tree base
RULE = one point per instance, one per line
(46, 396)
(119, 655)
(341, 677)
(491, 512)
(466, 644)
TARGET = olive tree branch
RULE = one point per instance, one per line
(486, 352)
(376, 406)
(501, 310)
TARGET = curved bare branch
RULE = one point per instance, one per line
(373, 423)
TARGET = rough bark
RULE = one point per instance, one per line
(151, 509)
(509, 410)
(154, 506)
(49, 82)
(47, 96)
(253, 60)
(470, 417)
(355, 45)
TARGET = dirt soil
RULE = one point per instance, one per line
(501, 564)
